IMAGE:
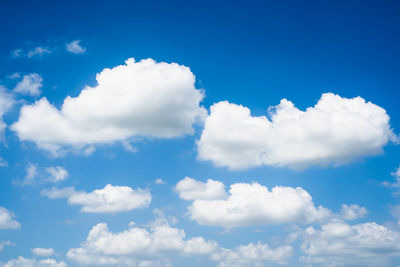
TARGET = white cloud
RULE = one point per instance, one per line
(31, 175)
(159, 181)
(396, 175)
(137, 245)
(6, 243)
(340, 244)
(110, 199)
(252, 255)
(6, 219)
(190, 189)
(27, 262)
(75, 47)
(352, 212)
(138, 99)
(335, 131)
(16, 53)
(43, 252)
(30, 85)
(38, 51)
(6, 103)
(253, 204)
(57, 174)
(395, 211)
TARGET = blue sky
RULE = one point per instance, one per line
(176, 133)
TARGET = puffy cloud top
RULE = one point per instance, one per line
(336, 130)
(144, 98)
(252, 204)
(110, 199)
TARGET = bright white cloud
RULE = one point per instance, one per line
(38, 51)
(138, 99)
(335, 131)
(110, 199)
(137, 246)
(7, 219)
(352, 212)
(252, 204)
(56, 174)
(43, 252)
(340, 244)
(27, 262)
(252, 255)
(29, 85)
(75, 47)
(190, 189)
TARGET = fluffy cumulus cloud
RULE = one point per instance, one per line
(110, 199)
(28, 262)
(137, 99)
(137, 246)
(29, 85)
(352, 212)
(252, 204)
(75, 47)
(7, 219)
(340, 244)
(190, 189)
(43, 252)
(159, 244)
(252, 255)
(335, 131)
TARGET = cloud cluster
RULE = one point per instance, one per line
(160, 243)
(335, 131)
(34, 174)
(340, 244)
(137, 245)
(6, 219)
(249, 204)
(110, 199)
(28, 262)
(138, 99)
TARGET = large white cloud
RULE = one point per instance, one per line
(190, 189)
(253, 204)
(138, 99)
(335, 131)
(137, 246)
(110, 199)
(340, 244)
(7, 219)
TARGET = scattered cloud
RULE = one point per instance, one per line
(3, 244)
(159, 181)
(251, 204)
(57, 174)
(110, 199)
(252, 255)
(30, 85)
(16, 53)
(396, 175)
(28, 262)
(75, 47)
(38, 52)
(3, 163)
(395, 211)
(335, 131)
(43, 252)
(340, 244)
(352, 212)
(6, 103)
(138, 99)
(7, 219)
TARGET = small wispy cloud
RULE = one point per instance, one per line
(75, 47)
